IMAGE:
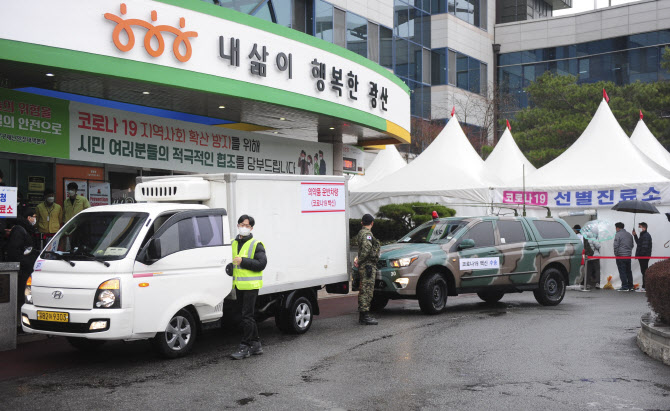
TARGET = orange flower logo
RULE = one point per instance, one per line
(125, 25)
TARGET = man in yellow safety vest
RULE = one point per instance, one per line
(249, 260)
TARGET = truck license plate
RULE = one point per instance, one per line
(53, 316)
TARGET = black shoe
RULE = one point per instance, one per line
(365, 319)
(256, 348)
(242, 353)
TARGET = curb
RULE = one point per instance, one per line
(654, 339)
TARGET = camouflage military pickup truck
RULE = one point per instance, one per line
(489, 256)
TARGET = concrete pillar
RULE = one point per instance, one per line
(338, 165)
(8, 321)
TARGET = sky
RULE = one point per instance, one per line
(579, 6)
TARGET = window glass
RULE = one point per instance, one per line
(434, 232)
(438, 60)
(473, 75)
(426, 109)
(323, 20)
(438, 6)
(401, 17)
(282, 12)
(414, 25)
(373, 42)
(357, 34)
(551, 229)
(465, 10)
(462, 71)
(401, 61)
(452, 67)
(483, 79)
(511, 232)
(264, 13)
(415, 59)
(425, 56)
(482, 234)
(386, 47)
(194, 232)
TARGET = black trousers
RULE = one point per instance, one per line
(644, 264)
(246, 301)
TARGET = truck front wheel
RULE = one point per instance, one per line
(552, 287)
(432, 294)
(491, 296)
(179, 336)
(378, 303)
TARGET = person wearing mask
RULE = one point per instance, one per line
(74, 203)
(368, 255)
(592, 248)
(623, 247)
(316, 164)
(249, 261)
(49, 214)
(643, 249)
(20, 248)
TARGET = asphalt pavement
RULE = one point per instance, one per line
(512, 355)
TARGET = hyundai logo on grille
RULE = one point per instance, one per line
(57, 295)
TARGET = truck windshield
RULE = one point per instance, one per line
(101, 236)
(434, 232)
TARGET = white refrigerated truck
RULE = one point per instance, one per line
(156, 269)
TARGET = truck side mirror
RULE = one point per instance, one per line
(467, 243)
(154, 250)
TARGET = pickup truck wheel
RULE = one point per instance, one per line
(552, 287)
(297, 319)
(378, 303)
(491, 296)
(84, 344)
(179, 336)
(432, 294)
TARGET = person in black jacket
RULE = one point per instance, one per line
(20, 248)
(249, 261)
(643, 249)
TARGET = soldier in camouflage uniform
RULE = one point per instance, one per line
(368, 255)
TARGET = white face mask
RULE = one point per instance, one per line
(244, 231)
(71, 193)
(32, 221)
(50, 200)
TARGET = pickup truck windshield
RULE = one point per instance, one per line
(96, 236)
(434, 232)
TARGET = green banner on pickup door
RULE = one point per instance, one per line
(35, 125)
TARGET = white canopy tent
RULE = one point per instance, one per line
(507, 162)
(386, 162)
(449, 171)
(649, 145)
(600, 169)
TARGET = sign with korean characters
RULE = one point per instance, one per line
(221, 46)
(322, 197)
(8, 202)
(98, 193)
(590, 198)
(472, 264)
(32, 124)
(106, 135)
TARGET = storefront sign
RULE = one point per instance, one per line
(98, 194)
(8, 202)
(118, 137)
(35, 125)
(653, 193)
(171, 36)
(36, 183)
(353, 159)
(320, 197)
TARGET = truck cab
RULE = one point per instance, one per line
(489, 256)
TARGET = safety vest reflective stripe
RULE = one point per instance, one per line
(250, 278)
(251, 247)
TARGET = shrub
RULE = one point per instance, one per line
(384, 230)
(410, 215)
(657, 279)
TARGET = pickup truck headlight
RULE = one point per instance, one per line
(403, 262)
(108, 294)
(28, 293)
